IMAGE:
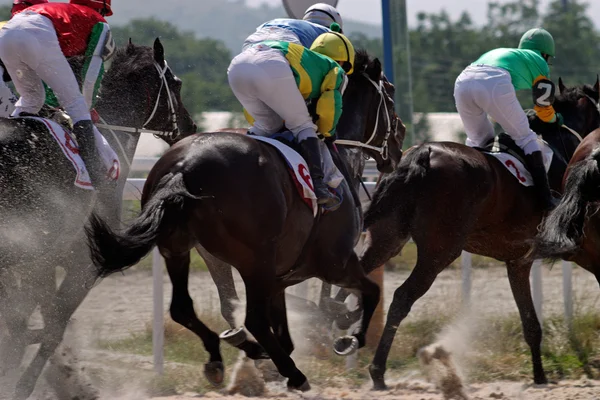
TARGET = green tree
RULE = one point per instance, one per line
(200, 63)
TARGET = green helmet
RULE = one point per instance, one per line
(538, 39)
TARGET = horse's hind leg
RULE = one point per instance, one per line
(518, 276)
(65, 301)
(221, 274)
(355, 278)
(182, 312)
(431, 261)
(260, 287)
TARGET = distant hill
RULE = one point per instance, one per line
(228, 20)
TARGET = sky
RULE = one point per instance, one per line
(370, 10)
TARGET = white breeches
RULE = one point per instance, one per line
(31, 53)
(30, 50)
(262, 80)
(480, 91)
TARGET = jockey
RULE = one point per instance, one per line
(273, 79)
(488, 86)
(317, 20)
(323, 14)
(34, 45)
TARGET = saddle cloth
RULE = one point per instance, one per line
(510, 155)
(298, 170)
(67, 144)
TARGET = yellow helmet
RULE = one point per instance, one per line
(335, 46)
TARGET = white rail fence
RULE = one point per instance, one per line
(133, 190)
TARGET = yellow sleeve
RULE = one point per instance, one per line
(329, 105)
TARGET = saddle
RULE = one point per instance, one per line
(503, 144)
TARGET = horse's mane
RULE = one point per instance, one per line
(572, 94)
(127, 61)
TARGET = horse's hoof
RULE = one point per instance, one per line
(214, 371)
(234, 337)
(303, 387)
(377, 378)
(345, 345)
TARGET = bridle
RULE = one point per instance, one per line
(170, 135)
(392, 123)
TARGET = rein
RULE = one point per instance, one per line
(174, 133)
(383, 150)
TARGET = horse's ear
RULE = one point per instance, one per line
(561, 85)
(374, 70)
(130, 47)
(597, 85)
(159, 52)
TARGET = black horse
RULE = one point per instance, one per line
(449, 197)
(42, 212)
(233, 195)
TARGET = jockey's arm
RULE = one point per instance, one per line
(329, 105)
(543, 91)
(101, 48)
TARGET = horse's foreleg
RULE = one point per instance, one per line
(182, 312)
(63, 304)
(518, 276)
(429, 264)
(279, 322)
(260, 289)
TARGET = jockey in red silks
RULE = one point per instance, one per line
(35, 45)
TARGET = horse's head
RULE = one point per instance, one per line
(368, 115)
(142, 91)
(579, 106)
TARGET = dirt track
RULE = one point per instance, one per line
(121, 305)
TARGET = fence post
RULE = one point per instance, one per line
(567, 272)
(158, 327)
(536, 288)
(466, 266)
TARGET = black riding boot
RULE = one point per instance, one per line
(84, 132)
(535, 164)
(312, 154)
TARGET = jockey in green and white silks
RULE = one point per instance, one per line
(487, 87)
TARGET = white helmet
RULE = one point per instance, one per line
(323, 14)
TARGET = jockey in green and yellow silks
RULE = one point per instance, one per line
(273, 79)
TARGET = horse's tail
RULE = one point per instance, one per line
(116, 251)
(395, 193)
(562, 229)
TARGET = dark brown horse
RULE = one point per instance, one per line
(572, 230)
(449, 197)
(233, 195)
(42, 213)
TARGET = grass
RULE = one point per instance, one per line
(497, 351)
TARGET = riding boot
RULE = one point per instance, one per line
(535, 164)
(312, 155)
(84, 132)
